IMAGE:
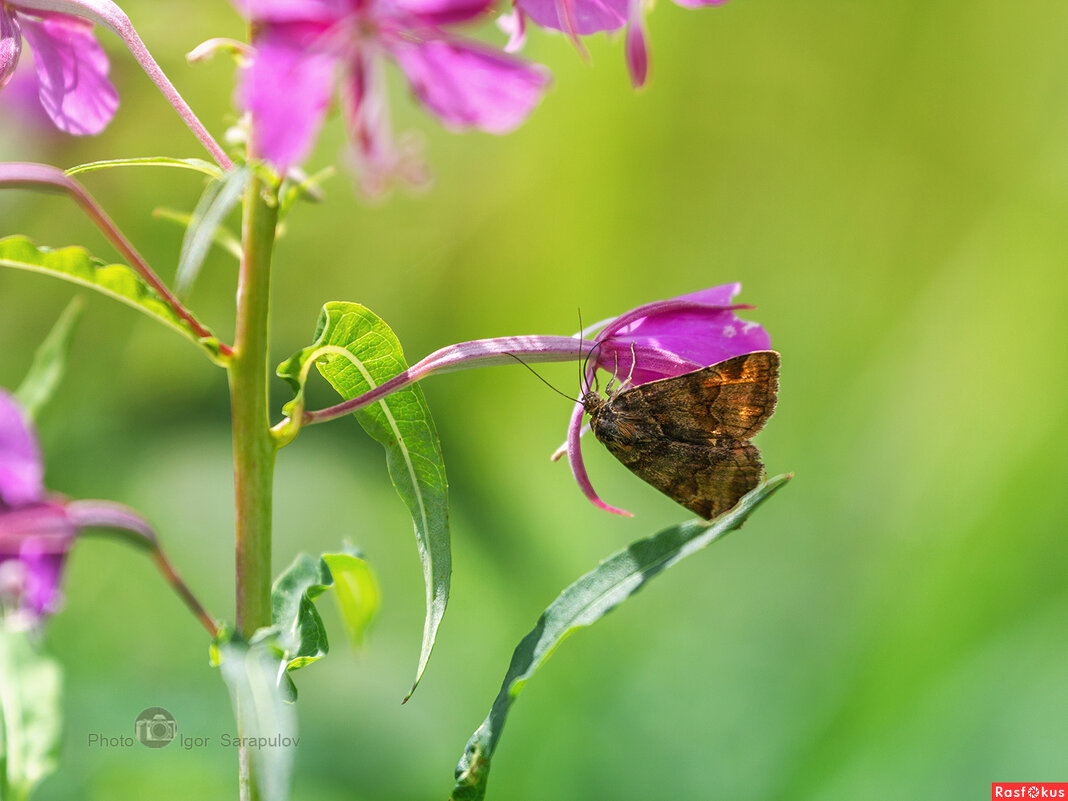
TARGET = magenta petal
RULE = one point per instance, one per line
(696, 329)
(34, 542)
(293, 10)
(469, 86)
(437, 12)
(578, 467)
(287, 89)
(10, 43)
(636, 49)
(585, 16)
(21, 469)
(72, 72)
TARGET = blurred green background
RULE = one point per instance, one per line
(889, 181)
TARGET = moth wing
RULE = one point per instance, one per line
(733, 398)
(707, 479)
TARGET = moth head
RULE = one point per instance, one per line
(593, 402)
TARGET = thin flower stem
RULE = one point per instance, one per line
(180, 587)
(123, 522)
(24, 175)
(462, 356)
(109, 15)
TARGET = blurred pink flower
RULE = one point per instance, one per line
(71, 67)
(37, 529)
(584, 17)
(301, 44)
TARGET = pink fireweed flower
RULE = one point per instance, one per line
(72, 68)
(301, 44)
(585, 17)
(661, 340)
(38, 529)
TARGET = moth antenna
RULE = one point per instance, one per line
(542, 379)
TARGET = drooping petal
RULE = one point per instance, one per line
(293, 10)
(578, 467)
(34, 541)
(10, 43)
(469, 86)
(72, 73)
(287, 89)
(668, 338)
(435, 12)
(581, 17)
(636, 49)
(380, 159)
(21, 468)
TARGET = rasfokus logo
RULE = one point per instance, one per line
(1029, 790)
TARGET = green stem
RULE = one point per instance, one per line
(254, 446)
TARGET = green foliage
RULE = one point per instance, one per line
(300, 630)
(118, 281)
(197, 165)
(584, 603)
(218, 200)
(30, 715)
(49, 362)
(356, 351)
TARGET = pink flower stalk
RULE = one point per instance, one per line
(72, 69)
(657, 340)
(584, 17)
(301, 44)
(38, 529)
(661, 340)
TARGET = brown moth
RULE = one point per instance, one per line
(688, 436)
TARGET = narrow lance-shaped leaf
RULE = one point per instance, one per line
(30, 715)
(218, 200)
(224, 237)
(49, 362)
(196, 165)
(118, 281)
(356, 351)
(584, 603)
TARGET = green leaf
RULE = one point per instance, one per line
(251, 673)
(300, 632)
(118, 281)
(224, 238)
(584, 603)
(197, 165)
(30, 715)
(49, 362)
(218, 200)
(356, 592)
(356, 351)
